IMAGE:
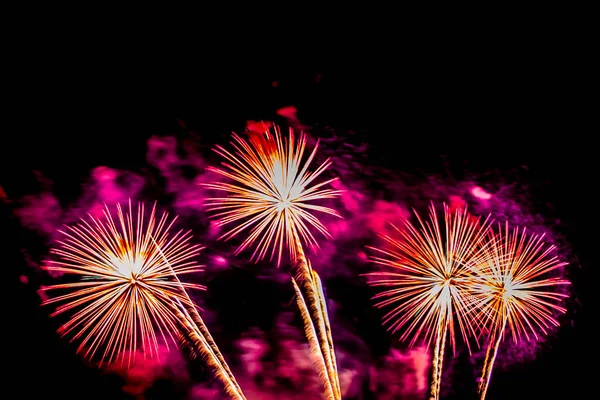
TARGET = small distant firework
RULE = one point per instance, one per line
(427, 274)
(515, 291)
(273, 197)
(129, 295)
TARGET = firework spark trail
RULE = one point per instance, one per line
(438, 357)
(198, 344)
(205, 346)
(304, 278)
(195, 316)
(333, 362)
(199, 335)
(490, 358)
(430, 272)
(128, 290)
(272, 199)
(314, 344)
(514, 291)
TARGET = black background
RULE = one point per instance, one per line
(486, 107)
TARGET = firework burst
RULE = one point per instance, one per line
(272, 198)
(273, 193)
(129, 295)
(426, 276)
(515, 291)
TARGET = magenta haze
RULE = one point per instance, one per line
(373, 197)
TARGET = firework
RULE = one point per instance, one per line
(516, 292)
(129, 295)
(272, 198)
(427, 274)
(273, 195)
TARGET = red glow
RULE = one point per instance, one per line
(383, 215)
(456, 203)
(24, 279)
(288, 112)
(480, 193)
(362, 255)
(257, 126)
(141, 375)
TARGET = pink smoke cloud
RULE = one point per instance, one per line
(163, 155)
(281, 368)
(108, 187)
(144, 372)
(480, 193)
(383, 214)
(41, 212)
(401, 374)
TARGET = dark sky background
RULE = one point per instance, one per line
(519, 111)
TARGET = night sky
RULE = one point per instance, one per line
(501, 122)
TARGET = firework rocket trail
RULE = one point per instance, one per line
(431, 269)
(327, 327)
(515, 292)
(272, 198)
(438, 356)
(200, 336)
(198, 344)
(130, 287)
(490, 358)
(313, 309)
(313, 341)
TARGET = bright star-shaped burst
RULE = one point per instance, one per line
(272, 193)
(129, 293)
